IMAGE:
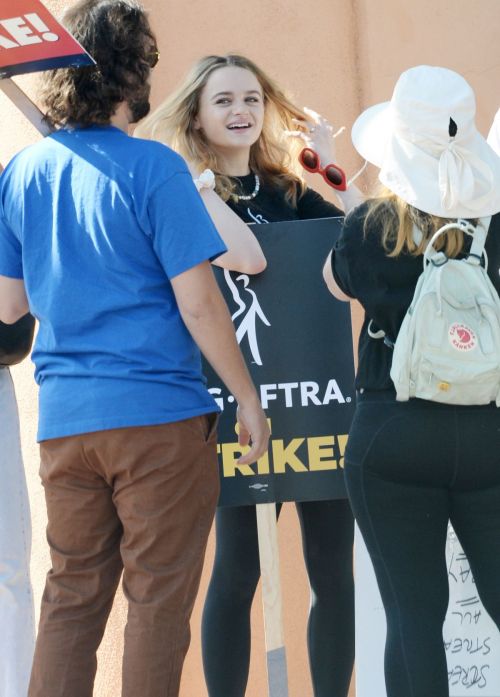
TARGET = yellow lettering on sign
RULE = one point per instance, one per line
(283, 456)
(263, 464)
(342, 443)
(230, 454)
(321, 454)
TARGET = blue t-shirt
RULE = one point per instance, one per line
(98, 223)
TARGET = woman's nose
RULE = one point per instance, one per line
(240, 108)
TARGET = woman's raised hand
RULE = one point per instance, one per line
(317, 134)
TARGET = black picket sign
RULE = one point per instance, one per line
(297, 342)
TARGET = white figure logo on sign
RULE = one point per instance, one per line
(248, 323)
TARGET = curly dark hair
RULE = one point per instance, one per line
(117, 35)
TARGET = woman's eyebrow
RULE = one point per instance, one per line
(229, 94)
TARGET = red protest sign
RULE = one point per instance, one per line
(31, 39)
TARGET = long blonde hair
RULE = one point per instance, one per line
(274, 157)
(395, 219)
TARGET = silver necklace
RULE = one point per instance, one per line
(249, 197)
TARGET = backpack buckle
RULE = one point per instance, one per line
(474, 259)
(439, 259)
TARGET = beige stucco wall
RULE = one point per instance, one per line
(335, 56)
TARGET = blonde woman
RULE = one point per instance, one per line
(411, 466)
(230, 117)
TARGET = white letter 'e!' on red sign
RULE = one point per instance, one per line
(31, 39)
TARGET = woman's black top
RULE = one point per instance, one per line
(270, 205)
(385, 286)
(16, 340)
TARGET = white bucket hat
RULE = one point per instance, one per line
(428, 148)
(494, 134)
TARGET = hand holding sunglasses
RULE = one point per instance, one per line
(316, 133)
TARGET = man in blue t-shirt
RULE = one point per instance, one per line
(105, 240)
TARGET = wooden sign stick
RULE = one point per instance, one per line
(277, 675)
(25, 105)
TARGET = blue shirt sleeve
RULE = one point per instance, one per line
(11, 257)
(11, 264)
(183, 232)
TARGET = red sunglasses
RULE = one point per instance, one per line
(332, 174)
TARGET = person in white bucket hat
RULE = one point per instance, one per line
(494, 134)
(428, 148)
(413, 466)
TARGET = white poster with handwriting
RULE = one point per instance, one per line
(471, 640)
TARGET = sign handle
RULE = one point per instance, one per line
(277, 675)
(25, 105)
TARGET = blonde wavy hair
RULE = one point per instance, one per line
(274, 156)
(396, 218)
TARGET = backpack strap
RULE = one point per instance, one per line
(375, 333)
(478, 234)
(430, 253)
(479, 238)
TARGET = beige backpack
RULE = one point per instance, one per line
(448, 347)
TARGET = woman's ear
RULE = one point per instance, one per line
(196, 123)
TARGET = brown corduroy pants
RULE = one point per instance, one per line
(135, 499)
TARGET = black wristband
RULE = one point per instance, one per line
(16, 340)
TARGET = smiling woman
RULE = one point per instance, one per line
(229, 116)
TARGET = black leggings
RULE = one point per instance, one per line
(411, 467)
(327, 539)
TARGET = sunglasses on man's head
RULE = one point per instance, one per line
(152, 58)
(332, 174)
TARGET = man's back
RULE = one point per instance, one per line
(106, 240)
(102, 220)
